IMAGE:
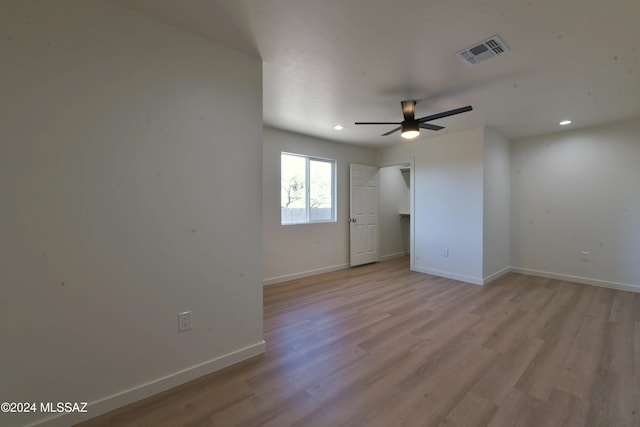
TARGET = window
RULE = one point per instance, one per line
(308, 189)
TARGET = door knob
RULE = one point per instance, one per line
(353, 219)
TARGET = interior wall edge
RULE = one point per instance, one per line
(496, 275)
(449, 275)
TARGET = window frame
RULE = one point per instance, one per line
(307, 189)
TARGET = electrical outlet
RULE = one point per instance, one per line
(445, 252)
(184, 321)
(585, 256)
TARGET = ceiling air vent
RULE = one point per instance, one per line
(480, 52)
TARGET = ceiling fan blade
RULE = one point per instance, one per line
(377, 123)
(430, 127)
(392, 131)
(408, 110)
(445, 114)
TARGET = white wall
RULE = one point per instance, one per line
(394, 198)
(496, 202)
(578, 191)
(448, 202)
(293, 251)
(130, 185)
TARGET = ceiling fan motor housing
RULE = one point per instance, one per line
(410, 125)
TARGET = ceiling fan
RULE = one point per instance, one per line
(410, 125)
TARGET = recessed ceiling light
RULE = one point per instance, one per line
(565, 122)
(338, 127)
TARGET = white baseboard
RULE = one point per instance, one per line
(578, 279)
(530, 272)
(449, 275)
(142, 391)
(466, 279)
(303, 274)
(393, 256)
(496, 275)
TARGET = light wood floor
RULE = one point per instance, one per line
(382, 346)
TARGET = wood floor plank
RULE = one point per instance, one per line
(541, 375)
(380, 345)
(562, 410)
(497, 381)
(534, 296)
(611, 401)
(622, 307)
(445, 371)
(348, 395)
(618, 347)
(472, 411)
(580, 366)
(442, 392)
(261, 409)
(518, 409)
(635, 310)
(636, 372)
(495, 328)
(297, 375)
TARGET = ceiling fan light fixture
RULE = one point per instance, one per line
(410, 134)
(410, 129)
(410, 126)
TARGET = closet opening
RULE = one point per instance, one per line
(396, 211)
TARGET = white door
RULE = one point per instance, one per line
(364, 215)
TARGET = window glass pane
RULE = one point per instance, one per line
(320, 190)
(293, 200)
(307, 191)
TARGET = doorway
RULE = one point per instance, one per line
(396, 214)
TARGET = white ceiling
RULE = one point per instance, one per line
(340, 61)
